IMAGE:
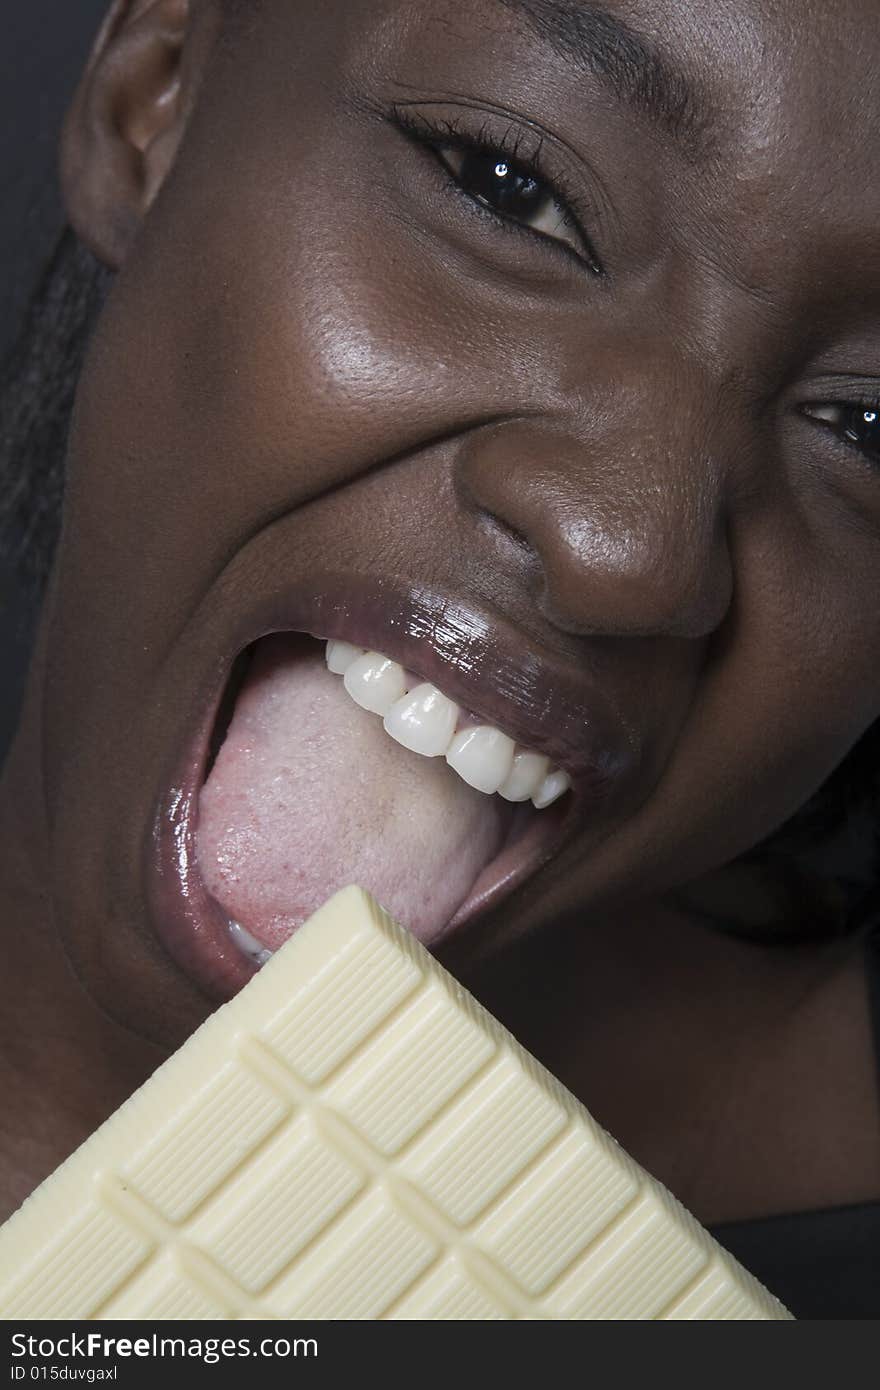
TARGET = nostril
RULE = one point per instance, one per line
(504, 528)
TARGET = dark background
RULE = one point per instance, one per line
(43, 47)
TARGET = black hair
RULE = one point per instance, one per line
(37, 387)
(823, 864)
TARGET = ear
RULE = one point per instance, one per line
(125, 122)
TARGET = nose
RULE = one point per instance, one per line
(620, 504)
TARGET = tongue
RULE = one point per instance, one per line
(308, 793)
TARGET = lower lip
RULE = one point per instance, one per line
(195, 931)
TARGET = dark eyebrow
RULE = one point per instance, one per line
(627, 61)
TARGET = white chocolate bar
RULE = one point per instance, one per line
(354, 1137)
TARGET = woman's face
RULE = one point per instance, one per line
(535, 352)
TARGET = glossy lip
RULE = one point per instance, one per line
(481, 662)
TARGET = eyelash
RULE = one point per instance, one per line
(434, 136)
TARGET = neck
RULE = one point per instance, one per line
(64, 1065)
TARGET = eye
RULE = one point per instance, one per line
(513, 175)
(512, 191)
(858, 424)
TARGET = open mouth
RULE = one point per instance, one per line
(339, 766)
(324, 764)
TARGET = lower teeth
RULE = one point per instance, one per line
(247, 944)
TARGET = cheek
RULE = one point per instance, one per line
(790, 686)
(799, 674)
(255, 387)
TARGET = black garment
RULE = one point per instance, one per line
(821, 1264)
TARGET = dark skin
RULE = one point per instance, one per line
(620, 440)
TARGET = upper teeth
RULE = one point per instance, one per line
(426, 721)
(422, 719)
